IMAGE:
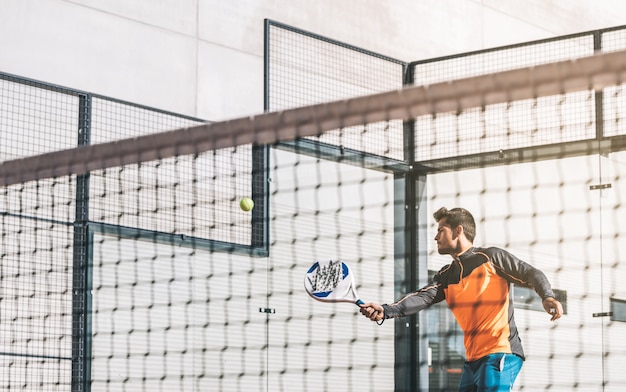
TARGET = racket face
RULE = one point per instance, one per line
(330, 281)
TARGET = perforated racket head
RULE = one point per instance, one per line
(331, 281)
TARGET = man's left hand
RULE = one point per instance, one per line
(553, 307)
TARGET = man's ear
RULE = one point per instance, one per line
(458, 231)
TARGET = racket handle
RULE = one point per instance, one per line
(359, 302)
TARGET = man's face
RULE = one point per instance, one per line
(447, 239)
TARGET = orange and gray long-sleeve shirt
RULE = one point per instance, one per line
(477, 288)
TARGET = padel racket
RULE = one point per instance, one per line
(331, 281)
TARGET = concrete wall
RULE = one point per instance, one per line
(205, 57)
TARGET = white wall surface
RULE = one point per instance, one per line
(205, 57)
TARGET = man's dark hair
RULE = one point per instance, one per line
(458, 217)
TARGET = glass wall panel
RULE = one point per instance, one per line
(547, 215)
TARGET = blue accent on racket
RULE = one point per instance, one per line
(331, 281)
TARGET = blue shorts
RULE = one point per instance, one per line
(491, 373)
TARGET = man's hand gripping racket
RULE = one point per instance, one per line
(333, 281)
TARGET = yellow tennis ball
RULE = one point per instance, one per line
(246, 204)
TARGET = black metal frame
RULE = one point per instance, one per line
(82, 255)
(84, 230)
(408, 183)
(600, 144)
(259, 245)
(82, 265)
(410, 213)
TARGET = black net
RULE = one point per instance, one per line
(128, 264)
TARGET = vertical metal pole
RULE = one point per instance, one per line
(403, 353)
(81, 271)
(260, 167)
(419, 258)
(411, 372)
(598, 95)
(411, 266)
(266, 106)
(260, 195)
